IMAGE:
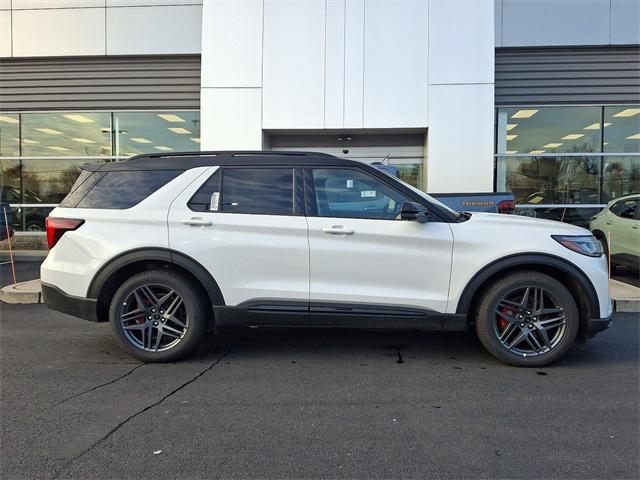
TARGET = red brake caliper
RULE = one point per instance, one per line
(502, 323)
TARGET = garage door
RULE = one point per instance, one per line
(405, 151)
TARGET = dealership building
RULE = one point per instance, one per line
(537, 97)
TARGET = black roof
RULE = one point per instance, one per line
(186, 160)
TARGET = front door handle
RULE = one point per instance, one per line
(196, 221)
(635, 226)
(337, 230)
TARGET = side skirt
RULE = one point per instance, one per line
(275, 313)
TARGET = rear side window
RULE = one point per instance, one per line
(118, 189)
(625, 209)
(85, 182)
(259, 191)
(264, 191)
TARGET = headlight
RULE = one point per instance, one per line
(584, 244)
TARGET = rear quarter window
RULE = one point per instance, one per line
(117, 189)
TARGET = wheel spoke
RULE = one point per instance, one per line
(545, 338)
(158, 338)
(509, 304)
(551, 323)
(518, 339)
(506, 317)
(165, 297)
(136, 326)
(525, 297)
(534, 343)
(132, 315)
(173, 319)
(148, 294)
(549, 311)
(508, 331)
(169, 330)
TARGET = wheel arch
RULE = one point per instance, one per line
(110, 276)
(571, 276)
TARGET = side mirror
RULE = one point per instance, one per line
(414, 212)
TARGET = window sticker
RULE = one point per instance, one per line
(368, 193)
(350, 183)
(215, 200)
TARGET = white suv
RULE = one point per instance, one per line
(169, 246)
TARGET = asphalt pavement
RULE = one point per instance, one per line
(311, 404)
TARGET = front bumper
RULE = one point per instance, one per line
(56, 299)
(597, 325)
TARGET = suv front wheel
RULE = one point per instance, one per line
(527, 319)
(158, 315)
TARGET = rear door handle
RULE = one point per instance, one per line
(196, 221)
(635, 226)
(337, 230)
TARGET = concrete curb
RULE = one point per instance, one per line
(22, 293)
(626, 298)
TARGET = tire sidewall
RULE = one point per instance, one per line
(192, 301)
(486, 318)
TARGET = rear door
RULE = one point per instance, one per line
(246, 226)
(366, 263)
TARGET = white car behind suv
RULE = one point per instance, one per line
(168, 246)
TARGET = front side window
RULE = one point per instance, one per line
(349, 193)
(261, 191)
(625, 209)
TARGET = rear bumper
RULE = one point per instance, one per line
(56, 299)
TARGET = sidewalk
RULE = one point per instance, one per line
(626, 297)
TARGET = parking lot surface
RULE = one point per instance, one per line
(311, 404)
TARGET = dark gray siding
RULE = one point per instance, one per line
(100, 83)
(599, 75)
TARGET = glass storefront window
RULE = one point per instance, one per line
(538, 130)
(9, 133)
(622, 129)
(66, 134)
(156, 132)
(621, 176)
(550, 180)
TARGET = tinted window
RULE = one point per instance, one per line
(124, 189)
(83, 184)
(625, 209)
(266, 191)
(207, 198)
(354, 194)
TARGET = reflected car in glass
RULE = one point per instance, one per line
(618, 228)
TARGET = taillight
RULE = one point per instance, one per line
(57, 226)
(507, 206)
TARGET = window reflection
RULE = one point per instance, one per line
(9, 131)
(621, 176)
(549, 130)
(49, 181)
(66, 134)
(156, 132)
(549, 180)
(622, 129)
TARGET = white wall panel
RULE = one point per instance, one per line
(5, 4)
(460, 138)
(31, 4)
(625, 22)
(555, 22)
(293, 72)
(395, 63)
(498, 23)
(56, 32)
(5, 33)
(232, 43)
(334, 65)
(354, 64)
(149, 30)
(463, 53)
(231, 119)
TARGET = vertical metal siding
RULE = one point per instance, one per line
(100, 83)
(596, 75)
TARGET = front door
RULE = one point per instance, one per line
(364, 261)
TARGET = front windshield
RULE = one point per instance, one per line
(426, 196)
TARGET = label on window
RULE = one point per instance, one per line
(349, 183)
(367, 193)
(215, 199)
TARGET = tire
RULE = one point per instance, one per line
(547, 330)
(168, 326)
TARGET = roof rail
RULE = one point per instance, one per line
(232, 153)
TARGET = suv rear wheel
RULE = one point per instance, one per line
(527, 319)
(158, 315)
